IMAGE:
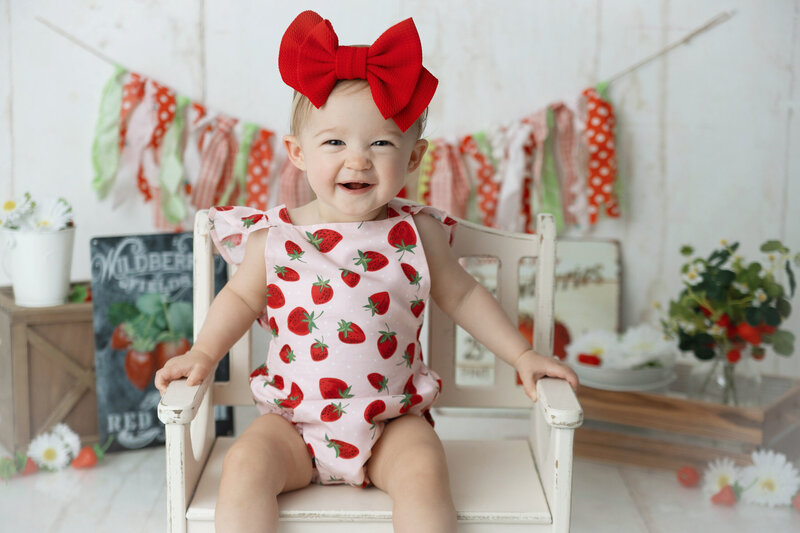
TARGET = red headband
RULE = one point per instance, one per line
(311, 62)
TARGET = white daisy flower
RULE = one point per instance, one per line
(741, 287)
(687, 327)
(70, 438)
(52, 214)
(759, 297)
(716, 330)
(640, 345)
(771, 480)
(694, 275)
(719, 473)
(12, 212)
(597, 343)
(49, 451)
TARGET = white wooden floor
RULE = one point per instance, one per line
(126, 494)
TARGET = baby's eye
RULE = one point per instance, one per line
(334, 142)
(382, 143)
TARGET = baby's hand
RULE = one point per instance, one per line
(533, 366)
(194, 364)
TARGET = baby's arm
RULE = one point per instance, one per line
(232, 312)
(474, 308)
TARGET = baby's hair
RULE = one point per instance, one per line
(301, 107)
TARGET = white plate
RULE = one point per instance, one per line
(625, 379)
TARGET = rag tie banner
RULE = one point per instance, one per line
(179, 157)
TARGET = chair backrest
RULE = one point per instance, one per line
(471, 240)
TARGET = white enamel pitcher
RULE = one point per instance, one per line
(39, 265)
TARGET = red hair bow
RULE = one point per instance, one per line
(311, 62)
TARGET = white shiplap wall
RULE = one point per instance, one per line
(708, 136)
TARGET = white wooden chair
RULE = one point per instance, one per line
(520, 485)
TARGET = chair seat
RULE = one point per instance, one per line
(507, 493)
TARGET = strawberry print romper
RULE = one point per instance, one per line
(345, 307)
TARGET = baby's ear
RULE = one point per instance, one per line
(417, 153)
(294, 151)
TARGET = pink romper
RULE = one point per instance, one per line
(345, 307)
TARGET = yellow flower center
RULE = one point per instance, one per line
(692, 274)
(50, 454)
(722, 480)
(768, 485)
(9, 205)
(43, 223)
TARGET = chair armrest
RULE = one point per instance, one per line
(559, 404)
(180, 402)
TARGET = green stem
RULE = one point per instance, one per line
(708, 376)
(166, 317)
(731, 384)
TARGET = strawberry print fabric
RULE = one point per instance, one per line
(345, 306)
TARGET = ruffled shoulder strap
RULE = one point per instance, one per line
(398, 205)
(230, 227)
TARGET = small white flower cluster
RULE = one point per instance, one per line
(639, 346)
(771, 480)
(55, 450)
(51, 214)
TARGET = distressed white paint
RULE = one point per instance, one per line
(705, 134)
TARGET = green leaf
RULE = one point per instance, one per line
(718, 257)
(181, 318)
(774, 246)
(151, 303)
(784, 307)
(754, 315)
(792, 282)
(120, 312)
(783, 342)
(704, 353)
(724, 277)
(772, 317)
(734, 247)
(78, 294)
(687, 250)
(773, 289)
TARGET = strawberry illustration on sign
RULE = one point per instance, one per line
(286, 273)
(324, 240)
(350, 333)
(252, 219)
(275, 298)
(379, 381)
(293, 400)
(301, 322)
(370, 260)
(321, 291)
(411, 273)
(319, 350)
(378, 303)
(403, 237)
(387, 343)
(294, 251)
(334, 389)
(344, 450)
(350, 278)
(332, 412)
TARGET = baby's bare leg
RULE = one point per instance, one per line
(270, 457)
(408, 462)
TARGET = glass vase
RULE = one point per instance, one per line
(720, 381)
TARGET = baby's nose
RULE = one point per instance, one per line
(357, 160)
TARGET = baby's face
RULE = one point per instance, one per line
(356, 160)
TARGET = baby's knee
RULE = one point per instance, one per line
(422, 465)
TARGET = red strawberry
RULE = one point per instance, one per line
(294, 251)
(408, 355)
(403, 237)
(588, 359)
(409, 400)
(319, 350)
(332, 412)
(259, 371)
(286, 354)
(232, 241)
(796, 502)
(374, 409)
(252, 219)
(324, 240)
(277, 382)
(409, 386)
(378, 303)
(273, 326)
(391, 213)
(284, 215)
(286, 273)
(411, 273)
(733, 356)
(688, 476)
(387, 343)
(749, 333)
(223, 208)
(379, 381)
(30, 467)
(371, 261)
(301, 322)
(758, 353)
(321, 291)
(344, 450)
(350, 278)
(350, 333)
(417, 307)
(334, 388)
(293, 400)
(724, 497)
(275, 297)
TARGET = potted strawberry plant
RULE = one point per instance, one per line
(728, 314)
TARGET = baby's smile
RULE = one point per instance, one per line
(356, 186)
